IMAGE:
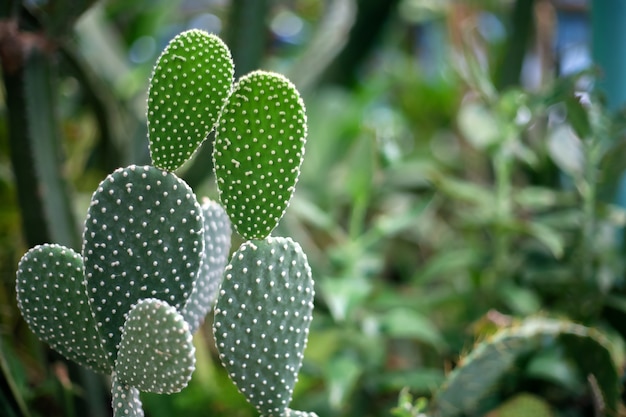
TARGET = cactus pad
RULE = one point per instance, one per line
(217, 235)
(259, 147)
(190, 84)
(262, 319)
(125, 399)
(143, 238)
(156, 351)
(53, 300)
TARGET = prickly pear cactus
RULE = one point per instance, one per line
(262, 319)
(149, 358)
(115, 309)
(153, 258)
(217, 235)
(482, 369)
(52, 297)
(259, 147)
(143, 238)
(190, 84)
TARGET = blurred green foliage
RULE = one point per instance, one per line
(443, 197)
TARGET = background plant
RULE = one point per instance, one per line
(406, 278)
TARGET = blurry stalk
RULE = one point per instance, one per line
(247, 33)
(522, 29)
(588, 191)
(502, 167)
(29, 74)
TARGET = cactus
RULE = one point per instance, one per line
(481, 370)
(259, 147)
(115, 309)
(153, 258)
(261, 321)
(190, 84)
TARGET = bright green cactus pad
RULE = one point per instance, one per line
(156, 351)
(259, 147)
(262, 319)
(143, 238)
(217, 235)
(53, 300)
(190, 84)
(125, 399)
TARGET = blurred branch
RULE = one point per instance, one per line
(371, 19)
(330, 38)
(522, 26)
(107, 118)
(246, 34)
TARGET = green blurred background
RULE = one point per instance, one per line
(462, 172)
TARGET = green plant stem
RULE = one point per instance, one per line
(588, 191)
(502, 239)
(247, 34)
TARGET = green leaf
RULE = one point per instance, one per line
(189, 86)
(125, 399)
(156, 350)
(143, 238)
(259, 147)
(217, 235)
(262, 319)
(53, 300)
(406, 323)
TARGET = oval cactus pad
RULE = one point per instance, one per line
(156, 351)
(52, 297)
(143, 238)
(215, 257)
(259, 147)
(189, 86)
(262, 319)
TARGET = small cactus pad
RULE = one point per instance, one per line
(156, 351)
(262, 319)
(53, 300)
(143, 238)
(125, 399)
(259, 147)
(190, 84)
(217, 235)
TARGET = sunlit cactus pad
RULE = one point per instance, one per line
(259, 147)
(217, 233)
(52, 298)
(143, 238)
(156, 351)
(262, 319)
(190, 83)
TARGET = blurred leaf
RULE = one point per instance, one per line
(578, 117)
(479, 125)
(550, 237)
(344, 294)
(342, 373)
(407, 323)
(523, 405)
(566, 150)
(421, 380)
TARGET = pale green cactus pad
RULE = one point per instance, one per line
(259, 147)
(262, 319)
(125, 399)
(217, 233)
(190, 84)
(484, 367)
(143, 238)
(53, 300)
(156, 351)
